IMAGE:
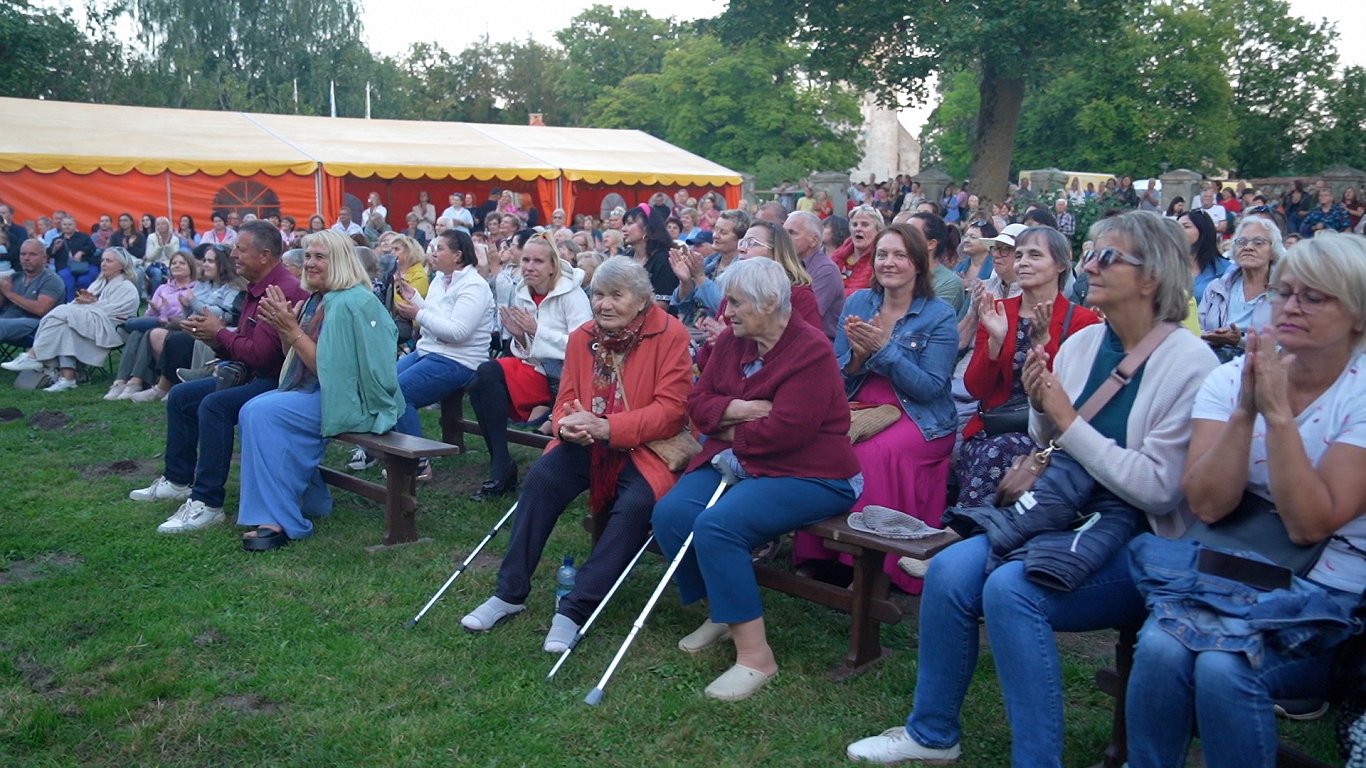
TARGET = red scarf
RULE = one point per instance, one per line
(610, 350)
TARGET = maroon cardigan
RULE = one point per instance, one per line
(806, 434)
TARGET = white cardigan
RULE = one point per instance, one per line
(1147, 474)
(565, 308)
(455, 320)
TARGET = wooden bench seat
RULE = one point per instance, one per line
(399, 454)
(866, 599)
(454, 426)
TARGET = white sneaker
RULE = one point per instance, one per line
(23, 362)
(191, 516)
(360, 460)
(148, 395)
(61, 385)
(161, 489)
(894, 745)
(129, 390)
(115, 390)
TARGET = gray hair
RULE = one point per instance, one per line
(739, 220)
(1057, 246)
(622, 273)
(294, 258)
(809, 220)
(1162, 245)
(1273, 233)
(762, 282)
(1335, 264)
(126, 262)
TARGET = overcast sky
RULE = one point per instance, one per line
(393, 25)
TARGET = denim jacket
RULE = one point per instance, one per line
(918, 359)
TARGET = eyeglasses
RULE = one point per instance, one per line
(754, 242)
(1309, 300)
(1255, 242)
(1106, 257)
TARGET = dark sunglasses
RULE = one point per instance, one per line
(1106, 257)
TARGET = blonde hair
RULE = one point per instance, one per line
(344, 267)
(409, 252)
(556, 263)
(1335, 264)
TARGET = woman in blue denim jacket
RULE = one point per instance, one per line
(896, 345)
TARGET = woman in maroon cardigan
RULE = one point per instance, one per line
(1005, 334)
(771, 403)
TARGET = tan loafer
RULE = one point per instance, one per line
(705, 636)
(738, 683)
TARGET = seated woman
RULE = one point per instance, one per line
(219, 292)
(896, 345)
(772, 405)
(88, 328)
(1130, 453)
(1007, 330)
(1237, 301)
(165, 310)
(162, 244)
(338, 377)
(854, 256)
(626, 379)
(1206, 261)
(547, 306)
(1287, 426)
(456, 318)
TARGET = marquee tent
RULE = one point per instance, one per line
(90, 159)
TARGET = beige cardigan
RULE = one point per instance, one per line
(1147, 474)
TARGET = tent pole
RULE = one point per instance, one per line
(170, 209)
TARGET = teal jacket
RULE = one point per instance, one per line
(356, 367)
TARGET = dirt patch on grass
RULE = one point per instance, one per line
(38, 567)
(48, 420)
(207, 638)
(118, 468)
(36, 675)
(10, 414)
(247, 704)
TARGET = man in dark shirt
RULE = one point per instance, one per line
(71, 249)
(198, 414)
(490, 205)
(31, 292)
(17, 233)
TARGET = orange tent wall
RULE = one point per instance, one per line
(400, 195)
(88, 196)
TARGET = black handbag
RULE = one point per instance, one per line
(1255, 526)
(1013, 414)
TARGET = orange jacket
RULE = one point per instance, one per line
(658, 379)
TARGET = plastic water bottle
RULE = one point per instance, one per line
(564, 579)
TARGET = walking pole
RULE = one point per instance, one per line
(461, 568)
(594, 696)
(596, 611)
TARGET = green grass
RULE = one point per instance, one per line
(120, 647)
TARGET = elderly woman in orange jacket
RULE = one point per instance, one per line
(627, 376)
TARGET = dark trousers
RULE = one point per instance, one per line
(177, 352)
(198, 417)
(555, 480)
(489, 397)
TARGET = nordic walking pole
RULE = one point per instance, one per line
(594, 696)
(461, 568)
(596, 611)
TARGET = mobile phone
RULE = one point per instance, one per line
(680, 245)
(1254, 573)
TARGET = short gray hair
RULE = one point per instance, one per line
(762, 282)
(1161, 244)
(811, 221)
(294, 257)
(1273, 233)
(126, 262)
(739, 220)
(623, 273)
(1057, 246)
(1335, 264)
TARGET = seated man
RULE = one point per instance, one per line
(29, 294)
(74, 256)
(200, 415)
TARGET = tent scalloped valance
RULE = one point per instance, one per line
(86, 166)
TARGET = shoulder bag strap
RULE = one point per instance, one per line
(1124, 372)
(1066, 322)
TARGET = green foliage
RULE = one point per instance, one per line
(604, 46)
(484, 83)
(1338, 138)
(45, 54)
(946, 139)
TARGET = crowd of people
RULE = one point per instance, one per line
(1188, 355)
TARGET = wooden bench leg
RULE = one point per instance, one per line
(865, 634)
(400, 504)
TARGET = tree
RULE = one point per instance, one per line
(748, 107)
(47, 55)
(890, 48)
(1338, 139)
(603, 46)
(946, 139)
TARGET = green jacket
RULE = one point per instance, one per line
(356, 364)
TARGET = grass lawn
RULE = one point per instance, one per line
(121, 647)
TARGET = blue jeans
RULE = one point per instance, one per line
(156, 275)
(73, 282)
(1021, 618)
(18, 330)
(1171, 688)
(197, 417)
(427, 378)
(282, 448)
(718, 565)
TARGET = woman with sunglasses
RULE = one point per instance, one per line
(1237, 301)
(1286, 423)
(1128, 457)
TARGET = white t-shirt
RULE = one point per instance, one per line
(1217, 213)
(1337, 416)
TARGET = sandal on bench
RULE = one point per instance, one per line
(264, 539)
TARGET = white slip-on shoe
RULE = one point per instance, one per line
(192, 516)
(895, 745)
(149, 395)
(561, 634)
(494, 610)
(115, 389)
(708, 634)
(161, 489)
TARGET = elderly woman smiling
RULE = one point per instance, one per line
(771, 402)
(338, 376)
(626, 378)
(1237, 301)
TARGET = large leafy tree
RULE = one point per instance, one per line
(890, 48)
(604, 46)
(47, 54)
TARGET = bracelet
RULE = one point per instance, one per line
(296, 337)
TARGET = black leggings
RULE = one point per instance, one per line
(490, 399)
(177, 352)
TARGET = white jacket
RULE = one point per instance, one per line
(455, 319)
(564, 309)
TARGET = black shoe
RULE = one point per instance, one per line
(492, 489)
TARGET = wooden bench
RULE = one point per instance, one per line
(1114, 682)
(454, 426)
(398, 493)
(866, 600)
